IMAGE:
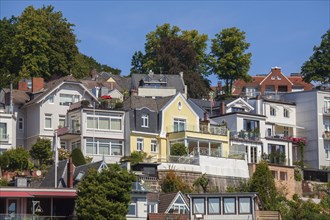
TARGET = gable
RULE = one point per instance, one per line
(177, 203)
(276, 76)
(111, 80)
(240, 103)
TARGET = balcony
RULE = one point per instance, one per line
(68, 133)
(326, 135)
(4, 138)
(326, 111)
(216, 130)
(245, 135)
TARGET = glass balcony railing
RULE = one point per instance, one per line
(245, 135)
(217, 130)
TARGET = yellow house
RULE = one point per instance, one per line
(181, 124)
(157, 124)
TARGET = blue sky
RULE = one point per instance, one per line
(281, 33)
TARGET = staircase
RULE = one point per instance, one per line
(268, 215)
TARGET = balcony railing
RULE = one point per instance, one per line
(4, 137)
(245, 135)
(217, 130)
(186, 159)
(68, 130)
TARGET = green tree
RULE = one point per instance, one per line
(14, 159)
(78, 157)
(262, 181)
(317, 68)
(45, 42)
(178, 149)
(42, 151)
(202, 182)
(168, 50)
(228, 59)
(104, 195)
(174, 183)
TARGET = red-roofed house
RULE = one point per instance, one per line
(273, 83)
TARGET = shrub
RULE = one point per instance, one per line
(178, 149)
(78, 157)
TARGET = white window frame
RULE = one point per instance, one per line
(272, 111)
(179, 121)
(74, 98)
(60, 118)
(153, 146)
(96, 126)
(327, 151)
(139, 144)
(135, 205)
(286, 113)
(48, 116)
(106, 142)
(51, 99)
(145, 121)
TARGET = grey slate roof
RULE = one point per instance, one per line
(173, 81)
(123, 82)
(48, 181)
(136, 102)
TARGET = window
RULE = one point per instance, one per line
(286, 131)
(139, 144)
(51, 99)
(327, 151)
(145, 121)
(21, 124)
(214, 205)
(153, 146)
(283, 176)
(236, 109)
(198, 206)
(179, 124)
(229, 205)
(75, 144)
(274, 173)
(152, 208)
(110, 123)
(179, 207)
(279, 78)
(272, 111)
(273, 77)
(253, 154)
(48, 121)
(104, 146)
(3, 131)
(68, 99)
(63, 144)
(286, 113)
(244, 205)
(250, 125)
(61, 121)
(132, 209)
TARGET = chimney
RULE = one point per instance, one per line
(223, 108)
(23, 86)
(70, 174)
(37, 84)
(276, 70)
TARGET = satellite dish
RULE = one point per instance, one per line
(38, 172)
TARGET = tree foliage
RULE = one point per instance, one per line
(202, 182)
(42, 151)
(168, 50)
(104, 195)
(228, 59)
(174, 183)
(41, 43)
(77, 157)
(178, 149)
(262, 182)
(317, 68)
(15, 159)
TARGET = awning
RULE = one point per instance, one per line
(54, 194)
(15, 194)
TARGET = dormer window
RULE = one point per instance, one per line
(145, 121)
(273, 78)
(279, 78)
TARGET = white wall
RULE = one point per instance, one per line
(10, 121)
(156, 92)
(213, 166)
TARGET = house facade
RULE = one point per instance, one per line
(273, 83)
(313, 113)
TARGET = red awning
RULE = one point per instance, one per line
(54, 194)
(15, 194)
